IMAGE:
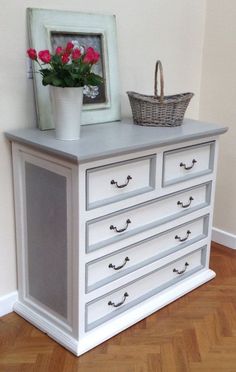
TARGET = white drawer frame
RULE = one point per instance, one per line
(127, 195)
(158, 256)
(189, 176)
(142, 298)
(119, 237)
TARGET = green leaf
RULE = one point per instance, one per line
(69, 81)
(94, 79)
(57, 82)
(47, 80)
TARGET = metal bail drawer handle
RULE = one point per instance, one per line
(182, 271)
(112, 227)
(190, 166)
(113, 182)
(183, 239)
(110, 303)
(185, 205)
(119, 267)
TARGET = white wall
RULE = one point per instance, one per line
(147, 30)
(218, 95)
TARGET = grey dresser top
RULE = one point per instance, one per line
(108, 139)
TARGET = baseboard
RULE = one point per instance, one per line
(7, 302)
(224, 238)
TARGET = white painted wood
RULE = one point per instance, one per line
(99, 272)
(22, 156)
(141, 217)
(145, 270)
(101, 308)
(104, 183)
(224, 237)
(173, 171)
(46, 326)
(141, 236)
(149, 240)
(144, 309)
(212, 199)
(118, 324)
(7, 302)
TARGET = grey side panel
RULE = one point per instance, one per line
(47, 237)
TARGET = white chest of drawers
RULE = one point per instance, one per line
(112, 227)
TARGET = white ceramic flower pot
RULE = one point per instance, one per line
(66, 108)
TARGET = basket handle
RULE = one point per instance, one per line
(161, 97)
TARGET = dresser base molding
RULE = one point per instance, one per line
(114, 326)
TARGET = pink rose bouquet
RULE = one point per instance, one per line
(67, 67)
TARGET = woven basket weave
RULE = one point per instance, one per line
(159, 111)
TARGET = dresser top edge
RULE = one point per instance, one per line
(99, 141)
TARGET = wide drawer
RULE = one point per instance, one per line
(113, 266)
(112, 304)
(121, 225)
(111, 183)
(188, 162)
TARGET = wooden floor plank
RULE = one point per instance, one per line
(195, 333)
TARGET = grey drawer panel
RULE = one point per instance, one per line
(114, 182)
(188, 162)
(102, 309)
(124, 261)
(100, 232)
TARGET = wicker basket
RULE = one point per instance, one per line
(159, 111)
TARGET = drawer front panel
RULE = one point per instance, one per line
(111, 305)
(112, 183)
(113, 266)
(186, 163)
(117, 226)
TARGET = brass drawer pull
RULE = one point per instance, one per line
(182, 271)
(112, 227)
(185, 205)
(183, 239)
(113, 182)
(190, 166)
(119, 267)
(110, 303)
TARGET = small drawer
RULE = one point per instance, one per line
(121, 225)
(188, 162)
(114, 182)
(113, 266)
(105, 308)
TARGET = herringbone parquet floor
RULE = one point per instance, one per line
(196, 333)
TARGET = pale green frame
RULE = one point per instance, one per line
(41, 22)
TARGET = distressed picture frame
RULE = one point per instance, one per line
(48, 28)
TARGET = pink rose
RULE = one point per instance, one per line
(91, 56)
(69, 46)
(32, 53)
(45, 56)
(65, 58)
(59, 50)
(76, 54)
